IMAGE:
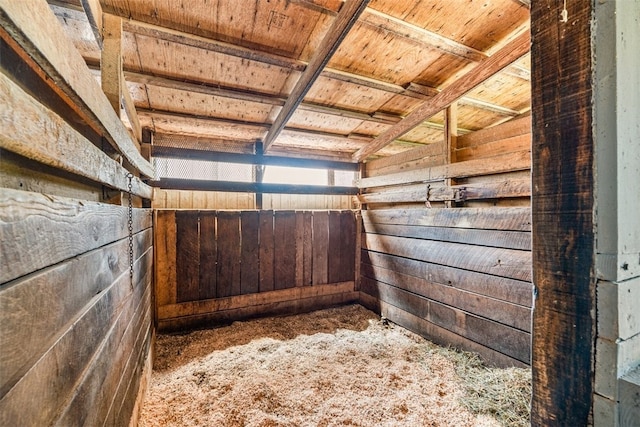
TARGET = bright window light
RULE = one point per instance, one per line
(291, 175)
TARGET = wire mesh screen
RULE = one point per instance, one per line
(203, 169)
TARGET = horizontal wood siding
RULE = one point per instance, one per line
(75, 330)
(463, 271)
(214, 266)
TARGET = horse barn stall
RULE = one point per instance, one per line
(319, 212)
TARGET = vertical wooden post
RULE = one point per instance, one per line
(562, 213)
(111, 61)
(259, 169)
(451, 136)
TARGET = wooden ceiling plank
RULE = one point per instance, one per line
(485, 69)
(345, 20)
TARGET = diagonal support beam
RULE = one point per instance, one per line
(485, 69)
(345, 20)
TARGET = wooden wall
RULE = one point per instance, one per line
(75, 331)
(182, 199)
(446, 246)
(217, 266)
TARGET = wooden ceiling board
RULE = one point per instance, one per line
(340, 94)
(195, 64)
(336, 143)
(226, 145)
(506, 90)
(374, 52)
(138, 93)
(77, 28)
(473, 118)
(192, 126)
(267, 26)
(400, 104)
(304, 119)
(423, 134)
(484, 24)
(441, 71)
(200, 104)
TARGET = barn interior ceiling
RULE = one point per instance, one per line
(326, 79)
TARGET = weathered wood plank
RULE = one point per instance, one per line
(187, 256)
(67, 228)
(334, 273)
(254, 302)
(516, 219)
(55, 53)
(320, 247)
(208, 256)
(438, 334)
(415, 154)
(267, 255)
(43, 303)
(165, 257)
(228, 268)
(93, 10)
(563, 210)
(502, 288)
(494, 148)
(299, 237)
(285, 249)
(496, 261)
(26, 120)
(307, 272)
(503, 163)
(250, 252)
(114, 364)
(513, 128)
(347, 245)
(111, 77)
(64, 363)
(495, 238)
(513, 315)
(501, 338)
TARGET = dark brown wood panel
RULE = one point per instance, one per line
(516, 219)
(208, 255)
(267, 255)
(496, 238)
(307, 261)
(250, 262)
(501, 338)
(347, 245)
(513, 315)
(563, 210)
(228, 254)
(320, 247)
(501, 288)
(285, 249)
(334, 273)
(495, 261)
(188, 256)
(299, 237)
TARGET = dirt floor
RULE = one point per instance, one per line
(336, 367)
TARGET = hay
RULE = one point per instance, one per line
(328, 368)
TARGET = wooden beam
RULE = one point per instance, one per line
(345, 20)
(485, 69)
(249, 187)
(251, 159)
(130, 111)
(93, 10)
(111, 61)
(25, 120)
(34, 27)
(511, 162)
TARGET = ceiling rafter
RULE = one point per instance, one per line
(345, 20)
(485, 69)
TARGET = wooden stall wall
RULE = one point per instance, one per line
(218, 266)
(75, 327)
(446, 247)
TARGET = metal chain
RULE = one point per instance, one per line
(130, 226)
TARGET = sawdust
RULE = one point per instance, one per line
(336, 367)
